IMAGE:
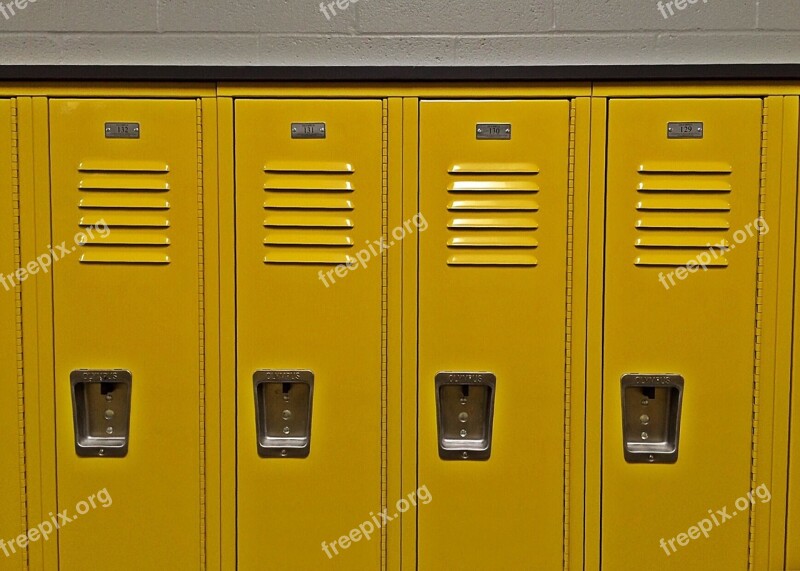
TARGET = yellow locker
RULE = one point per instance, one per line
(127, 265)
(682, 236)
(309, 198)
(492, 333)
(12, 467)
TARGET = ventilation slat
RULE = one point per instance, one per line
(305, 185)
(124, 203)
(492, 259)
(680, 203)
(303, 167)
(701, 167)
(669, 259)
(493, 223)
(116, 184)
(284, 220)
(494, 204)
(307, 203)
(648, 240)
(493, 186)
(125, 220)
(325, 239)
(483, 241)
(127, 238)
(324, 257)
(683, 223)
(123, 256)
(128, 166)
(494, 168)
(665, 184)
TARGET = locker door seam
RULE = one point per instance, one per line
(603, 323)
(201, 330)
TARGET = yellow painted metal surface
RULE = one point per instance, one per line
(493, 297)
(12, 494)
(129, 298)
(303, 208)
(661, 317)
(793, 503)
(489, 280)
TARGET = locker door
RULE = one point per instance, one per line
(309, 192)
(127, 331)
(682, 238)
(12, 496)
(492, 307)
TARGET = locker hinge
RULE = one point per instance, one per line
(762, 198)
(23, 476)
(384, 331)
(568, 329)
(201, 332)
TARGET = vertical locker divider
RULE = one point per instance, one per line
(227, 298)
(409, 327)
(35, 214)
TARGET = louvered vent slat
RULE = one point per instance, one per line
(683, 210)
(123, 203)
(309, 213)
(494, 205)
(300, 167)
(704, 167)
(132, 200)
(494, 223)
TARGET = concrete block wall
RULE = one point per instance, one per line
(398, 32)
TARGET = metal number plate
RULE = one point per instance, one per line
(493, 131)
(308, 130)
(122, 130)
(685, 130)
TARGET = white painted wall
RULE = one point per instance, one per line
(399, 32)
